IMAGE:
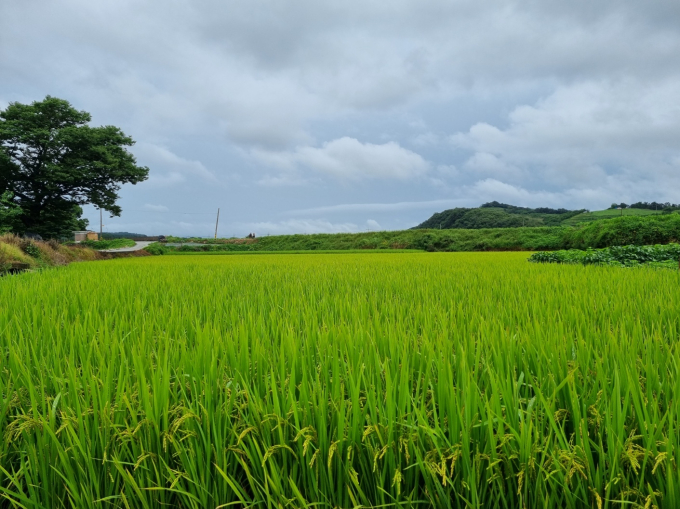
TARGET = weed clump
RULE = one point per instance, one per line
(625, 256)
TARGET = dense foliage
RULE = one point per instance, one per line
(157, 249)
(497, 215)
(52, 162)
(390, 380)
(108, 244)
(9, 212)
(502, 215)
(524, 210)
(122, 235)
(623, 231)
(618, 255)
(645, 205)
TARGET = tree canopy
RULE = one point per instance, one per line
(9, 212)
(497, 215)
(52, 163)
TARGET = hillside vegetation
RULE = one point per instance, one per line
(589, 217)
(627, 230)
(501, 215)
(17, 254)
(497, 215)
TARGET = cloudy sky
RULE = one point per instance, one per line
(305, 116)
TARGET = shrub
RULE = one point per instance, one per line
(625, 256)
(29, 247)
(108, 244)
(156, 249)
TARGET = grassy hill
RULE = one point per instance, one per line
(588, 217)
(501, 215)
(497, 215)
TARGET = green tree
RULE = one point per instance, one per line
(52, 162)
(9, 212)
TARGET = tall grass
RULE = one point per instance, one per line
(395, 380)
(39, 254)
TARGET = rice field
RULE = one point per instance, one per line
(466, 380)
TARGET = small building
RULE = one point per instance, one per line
(86, 235)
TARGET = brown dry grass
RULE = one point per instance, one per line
(15, 249)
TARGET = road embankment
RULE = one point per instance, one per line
(18, 254)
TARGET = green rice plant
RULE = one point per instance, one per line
(401, 380)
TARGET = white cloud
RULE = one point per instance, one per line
(426, 139)
(283, 180)
(483, 163)
(348, 159)
(164, 180)
(580, 134)
(377, 207)
(447, 170)
(373, 225)
(162, 159)
(575, 99)
(156, 208)
(600, 117)
(293, 226)
(182, 228)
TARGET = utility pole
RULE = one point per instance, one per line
(217, 222)
(101, 225)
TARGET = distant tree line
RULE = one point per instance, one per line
(519, 210)
(646, 205)
(122, 235)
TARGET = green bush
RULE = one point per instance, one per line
(157, 249)
(108, 244)
(625, 256)
(30, 249)
(623, 231)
